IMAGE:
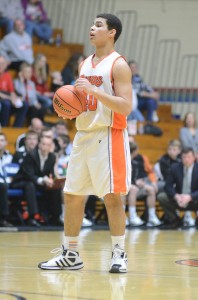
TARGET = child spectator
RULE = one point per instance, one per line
(56, 81)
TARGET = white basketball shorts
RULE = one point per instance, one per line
(100, 163)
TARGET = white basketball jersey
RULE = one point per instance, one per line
(97, 114)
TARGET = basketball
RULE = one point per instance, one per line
(68, 102)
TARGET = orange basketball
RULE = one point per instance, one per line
(68, 102)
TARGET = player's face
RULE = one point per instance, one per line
(99, 33)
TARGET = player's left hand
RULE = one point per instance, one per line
(85, 85)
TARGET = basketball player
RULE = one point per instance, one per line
(100, 160)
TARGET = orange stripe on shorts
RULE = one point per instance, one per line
(118, 161)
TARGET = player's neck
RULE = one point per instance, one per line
(102, 52)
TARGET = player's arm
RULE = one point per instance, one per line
(122, 101)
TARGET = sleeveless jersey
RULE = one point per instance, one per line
(97, 114)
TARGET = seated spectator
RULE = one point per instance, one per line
(181, 189)
(36, 125)
(16, 46)
(70, 70)
(56, 81)
(189, 132)
(5, 158)
(31, 141)
(36, 20)
(25, 87)
(49, 132)
(40, 77)
(147, 96)
(162, 167)
(9, 101)
(143, 184)
(62, 157)
(136, 113)
(10, 10)
(36, 173)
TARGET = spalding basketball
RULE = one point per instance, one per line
(68, 102)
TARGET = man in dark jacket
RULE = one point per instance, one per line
(36, 173)
(181, 188)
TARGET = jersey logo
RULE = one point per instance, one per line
(94, 80)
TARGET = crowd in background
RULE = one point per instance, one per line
(43, 152)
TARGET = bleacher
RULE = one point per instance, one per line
(149, 145)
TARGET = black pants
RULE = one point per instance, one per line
(4, 211)
(170, 206)
(48, 201)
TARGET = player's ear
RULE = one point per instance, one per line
(112, 33)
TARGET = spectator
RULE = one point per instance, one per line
(25, 87)
(181, 189)
(57, 81)
(162, 167)
(40, 77)
(70, 70)
(31, 141)
(10, 9)
(49, 132)
(62, 157)
(189, 133)
(36, 125)
(36, 20)
(16, 46)
(36, 173)
(136, 113)
(5, 158)
(143, 184)
(147, 96)
(10, 103)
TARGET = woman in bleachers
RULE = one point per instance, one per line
(26, 88)
(70, 70)
(189, 132)
(40, 78)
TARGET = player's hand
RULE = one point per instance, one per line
(85, 85)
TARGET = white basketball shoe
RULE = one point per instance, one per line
(118, 261)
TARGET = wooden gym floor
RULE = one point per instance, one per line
(153, 271)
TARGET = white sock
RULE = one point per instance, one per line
(132, 212)
(151, 212)
(118, 240)
(70, 242)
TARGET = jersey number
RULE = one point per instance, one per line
(91, 103)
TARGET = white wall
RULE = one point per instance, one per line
(175, 19)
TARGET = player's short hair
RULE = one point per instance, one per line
(113, 22)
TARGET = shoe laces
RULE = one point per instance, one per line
(58, 251)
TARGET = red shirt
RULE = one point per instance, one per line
(6, 83)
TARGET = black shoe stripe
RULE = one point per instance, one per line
(67, 263)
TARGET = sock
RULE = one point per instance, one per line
(151, 212)
(118, 240)
(132, 212)
(70, 242)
